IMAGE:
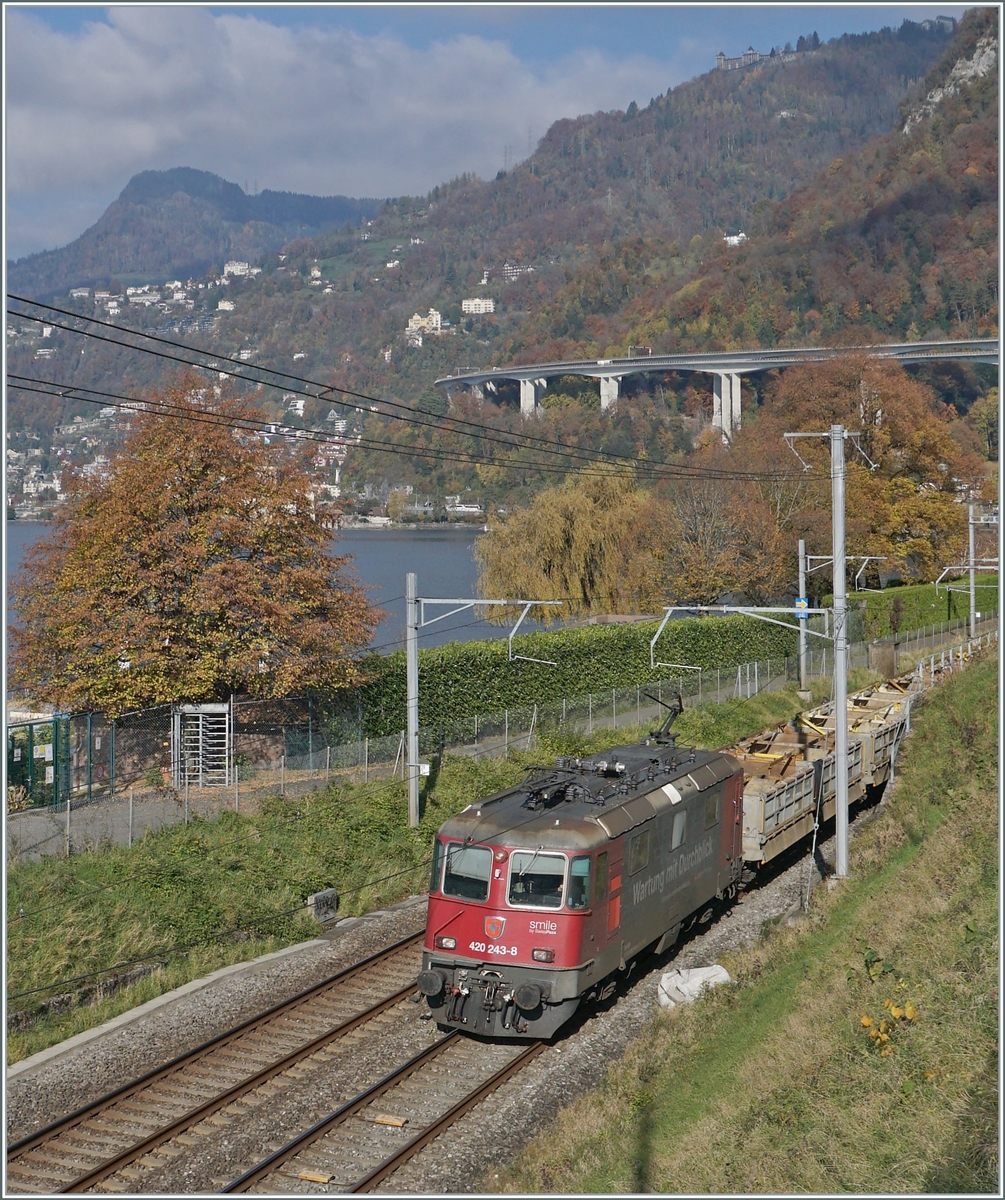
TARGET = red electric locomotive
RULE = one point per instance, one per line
(542, 893)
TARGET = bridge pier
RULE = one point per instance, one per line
(610, 389)
(726, 403)
(530, 395)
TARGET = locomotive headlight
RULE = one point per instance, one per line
(501, 855)
(446, 943)
(543, 955)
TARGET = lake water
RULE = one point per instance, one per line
(442, 557)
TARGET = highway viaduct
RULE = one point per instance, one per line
(725, 367)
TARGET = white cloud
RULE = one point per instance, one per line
(300, 109)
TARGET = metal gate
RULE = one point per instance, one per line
(38, 763)
(201, 745)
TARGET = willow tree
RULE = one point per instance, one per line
(193, 569)
(592, 542)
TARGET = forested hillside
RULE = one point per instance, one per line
(898, 241)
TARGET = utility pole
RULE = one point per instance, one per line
(802, 624)
(412, 688)
(973, 579)
(837, 435)
(837, 438)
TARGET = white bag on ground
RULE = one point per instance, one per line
(684, 985)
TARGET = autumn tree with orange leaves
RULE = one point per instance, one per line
(196, 568)
(903, 491)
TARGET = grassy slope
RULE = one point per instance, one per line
(774, 1084)
(201, 887)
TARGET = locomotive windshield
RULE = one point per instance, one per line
(536, 879)
(467, 872)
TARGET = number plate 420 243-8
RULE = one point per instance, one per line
(492, 948)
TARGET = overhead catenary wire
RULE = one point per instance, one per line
(241, 373)
(58, 390)
(402, 412)
(526, 440)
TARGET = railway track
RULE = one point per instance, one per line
(85, 1149)
(361, 1143)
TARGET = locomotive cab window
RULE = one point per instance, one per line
(712, 810)
(467, 871)
(536, 880)
(679, 830)
(579, 883)
(434, 879)
(638, 852)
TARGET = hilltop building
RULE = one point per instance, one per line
(478, 306)
(752, 57)
(722, 63)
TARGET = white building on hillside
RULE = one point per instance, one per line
(478, 305)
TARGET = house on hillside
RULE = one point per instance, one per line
(419, 324)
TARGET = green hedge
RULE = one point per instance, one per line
(462, 679)
(920, 604)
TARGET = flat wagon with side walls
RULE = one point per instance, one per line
(790, 770)
(543, 893)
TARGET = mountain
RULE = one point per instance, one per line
(896, 241)
(181, 222)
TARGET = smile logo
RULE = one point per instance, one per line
(494, 926)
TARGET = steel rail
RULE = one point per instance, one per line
(433, 1131)
(40, 1137)
(340, 1115)
(193, 1116)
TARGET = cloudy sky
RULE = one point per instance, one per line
(359, 100)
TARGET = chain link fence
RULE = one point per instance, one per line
(84, 781)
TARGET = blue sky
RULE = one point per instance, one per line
(351, 99)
